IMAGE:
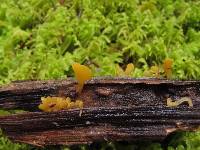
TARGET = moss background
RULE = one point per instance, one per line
(40, 39)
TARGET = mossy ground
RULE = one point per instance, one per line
(40, 39)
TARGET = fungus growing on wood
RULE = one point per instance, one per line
(172, 103)
(167, 66)
(154, 71)
(51, 104)
(129, 69)
(82, 73)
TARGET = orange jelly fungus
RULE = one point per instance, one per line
(52, 104)
(167, 66)
(82, 73)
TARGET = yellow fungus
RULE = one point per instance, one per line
(129, 69)
(82, 73)
(119, 71)
(155, 71)
(167, 66)
(50, 104)
(79, 103)
(147, 73)
(127, 72)
(72, 105)
(172, 103)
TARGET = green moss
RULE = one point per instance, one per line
(5, 144)
(40, 39)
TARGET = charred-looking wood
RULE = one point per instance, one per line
(114, 109)
(106, 92)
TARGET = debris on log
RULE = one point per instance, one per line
(115, 109)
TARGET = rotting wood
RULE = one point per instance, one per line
(98, 124)
(99, 92)
(114, 109)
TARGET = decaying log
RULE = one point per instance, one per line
(99, 92)
(97, 124)
(114, 109)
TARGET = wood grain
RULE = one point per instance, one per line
(115, 109)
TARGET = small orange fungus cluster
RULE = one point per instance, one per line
(129, 69)
(52, 104)
(172, 103)
(82, 73)
(157, 71)
(167, 66)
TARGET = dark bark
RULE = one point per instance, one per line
(99, 92)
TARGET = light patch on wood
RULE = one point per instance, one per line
(170, 130)
(173, 103)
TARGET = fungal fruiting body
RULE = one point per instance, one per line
(49, 104)
(154, 71)
(52, 104)
(82, 73)
(119, 71)
(129, 69)
(167, 66)
(165, 70)
(172, 103)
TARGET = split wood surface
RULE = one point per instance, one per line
(115, 109)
